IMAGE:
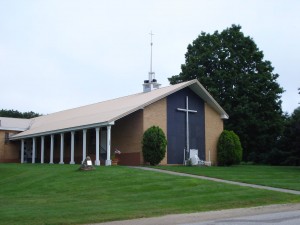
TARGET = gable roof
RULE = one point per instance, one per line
(106, 112)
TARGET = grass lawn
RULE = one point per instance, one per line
(275, 176)
(59, 194)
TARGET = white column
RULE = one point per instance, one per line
(33, 150)
(72, 147)
(61, 148)
(83, 145)
(22, 151)
(97, 161)
(42, 149)
(108, 161)
(51, 149)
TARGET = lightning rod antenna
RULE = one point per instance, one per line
(151, 73)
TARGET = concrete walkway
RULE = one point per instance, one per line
(219, 180)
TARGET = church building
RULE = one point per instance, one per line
(186, 112)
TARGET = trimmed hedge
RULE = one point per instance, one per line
(229, 149)
(154, 145)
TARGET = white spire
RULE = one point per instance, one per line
(151, 73)
(151, 83)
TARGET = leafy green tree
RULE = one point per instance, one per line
(290, 142)
(16, 114)
(232, 68)
(229, 149)
(154, 145)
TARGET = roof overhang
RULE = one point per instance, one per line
(198, 88)
(12, 129)
(114, 110)
(69, 129)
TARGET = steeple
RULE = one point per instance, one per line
(151, 83)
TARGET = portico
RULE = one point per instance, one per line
(62, 145)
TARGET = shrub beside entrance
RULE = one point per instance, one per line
(229, 149)
(154, 145)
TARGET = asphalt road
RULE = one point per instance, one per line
(279, 218)
(286, 214)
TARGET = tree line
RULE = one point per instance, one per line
(233, 69)
(16, 114)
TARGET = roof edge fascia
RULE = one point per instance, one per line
(213, 103)
(65, 130)
(13, 129)
(188, 83)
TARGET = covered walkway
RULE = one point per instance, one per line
(43, 148)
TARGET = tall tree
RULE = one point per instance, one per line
(233, 70)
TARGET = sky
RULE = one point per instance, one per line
(61, 54)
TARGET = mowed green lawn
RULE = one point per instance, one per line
(60, 194)
(275, 176)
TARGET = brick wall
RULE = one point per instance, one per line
(156, 115)
(213, 129)
(9, 151)
(126, 136)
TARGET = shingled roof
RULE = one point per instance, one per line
(106, 112)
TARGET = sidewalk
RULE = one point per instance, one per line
(220, 180)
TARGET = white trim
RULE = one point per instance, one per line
(196, 87)
(90, 126)
(13, 129)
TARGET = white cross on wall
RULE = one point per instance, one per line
(187, 111)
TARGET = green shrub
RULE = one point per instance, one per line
(229, 149)
(154, 145)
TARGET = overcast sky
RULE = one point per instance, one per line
(56, 55)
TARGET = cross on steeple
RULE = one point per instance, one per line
(187, 111)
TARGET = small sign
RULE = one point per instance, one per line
(89, 163)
